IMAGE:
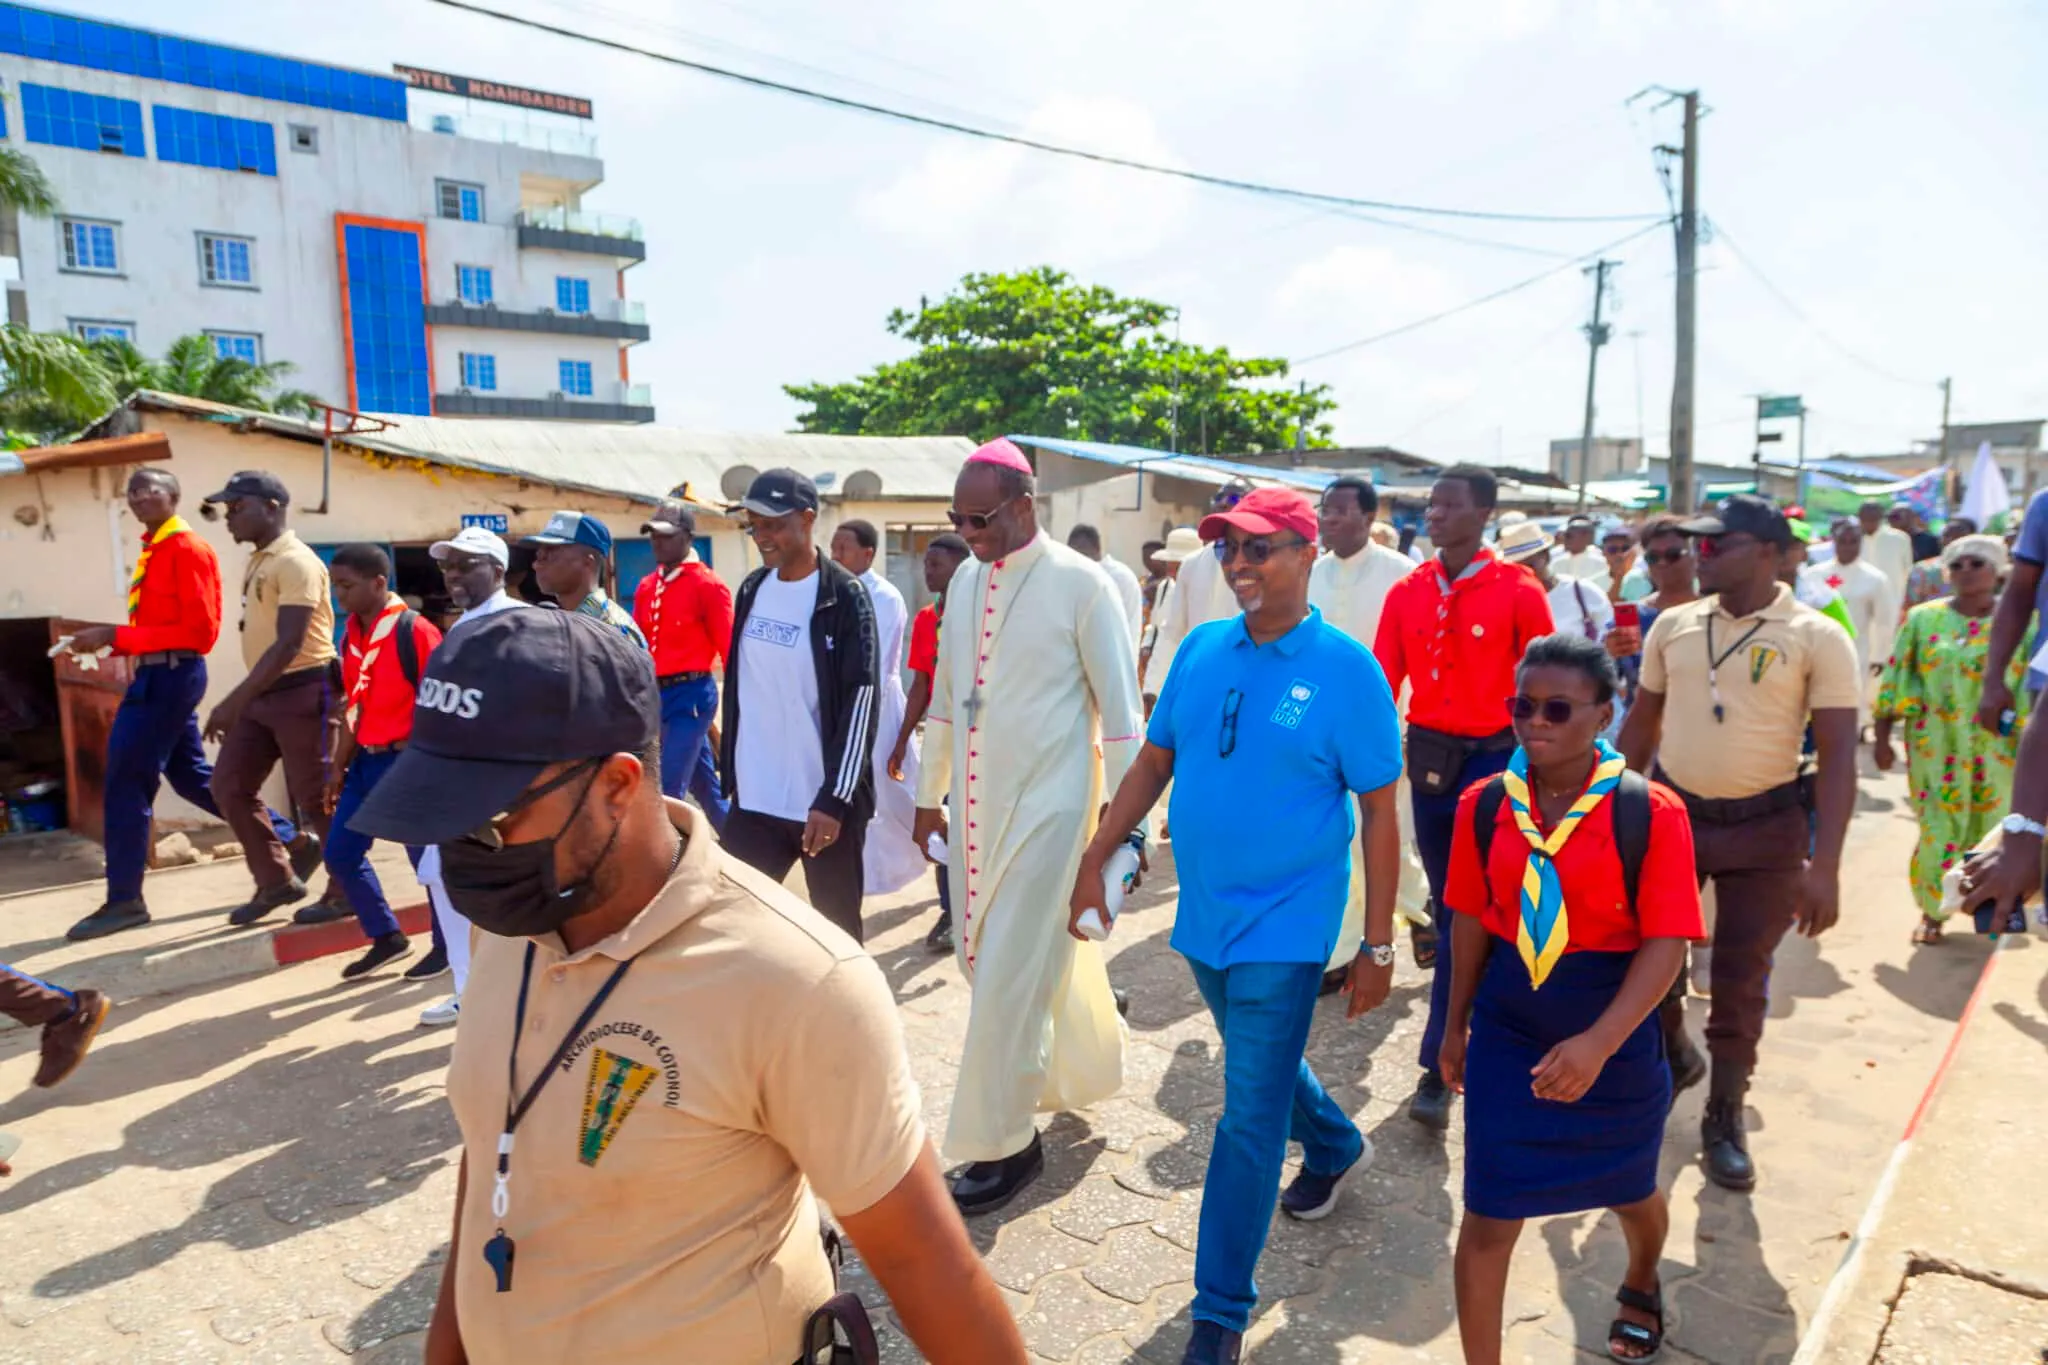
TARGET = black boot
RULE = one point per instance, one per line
(1724, 1151)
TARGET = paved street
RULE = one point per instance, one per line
(263, 1171)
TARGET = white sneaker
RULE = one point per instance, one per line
(443, 1014)
(1702, 973)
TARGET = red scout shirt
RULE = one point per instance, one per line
(1458, 645)
(178, 606)
(686, 615)
(386, 716)
(1589, 870)
(924, 642)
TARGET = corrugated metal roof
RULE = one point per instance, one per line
(639, 462)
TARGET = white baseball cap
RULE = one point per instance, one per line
(473, 540)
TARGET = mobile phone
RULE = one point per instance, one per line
(1627, 616)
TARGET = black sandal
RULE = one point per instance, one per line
(1422, 942)
(1621, 1332)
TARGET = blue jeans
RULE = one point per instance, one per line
(155, 736)
(1436, 820)
(687, 710)
(348, 853)
(1263, 1010)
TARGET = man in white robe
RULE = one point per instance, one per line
(1086, 540)
(1156, 659)
(1349, 585)
(1873, 606)
(1886, 548)
(890, 860)
(1200, 592)
(1033, 721)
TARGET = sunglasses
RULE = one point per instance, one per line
(1971, 562)
(1709, 546)
(491, 833)
(1226, 743)
(1554, 710)
(977, 521)
(1255, 551)
(1667, 556)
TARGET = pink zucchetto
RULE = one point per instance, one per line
(1003, 452)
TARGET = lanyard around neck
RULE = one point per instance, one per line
(1714, 661)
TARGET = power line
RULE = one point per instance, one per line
(1482, 300)
(1721, 235)
(1034, 144)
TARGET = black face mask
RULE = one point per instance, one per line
(512, 890)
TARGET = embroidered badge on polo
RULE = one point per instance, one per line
(616, 1084)
(1294, 704)
(1761, 657)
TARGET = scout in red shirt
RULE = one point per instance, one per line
(1454, 631)
(385, 647)
(685, 611)
(944, 555)
(1560, 966)
(172, 623)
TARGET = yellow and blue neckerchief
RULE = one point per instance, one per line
(1544, 928)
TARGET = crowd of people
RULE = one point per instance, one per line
(1530, 751)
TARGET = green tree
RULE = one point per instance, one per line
(194, 367)
(1036, 352)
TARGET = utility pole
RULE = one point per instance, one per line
(1681, 465)
(1948, 475)
(1597, 333)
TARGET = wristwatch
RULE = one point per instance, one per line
(2020, 824)
(1382, 954)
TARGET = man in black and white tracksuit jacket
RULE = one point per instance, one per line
(800, 696)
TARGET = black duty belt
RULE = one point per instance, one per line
(672, 679)
(1739, 809)
(391, 748)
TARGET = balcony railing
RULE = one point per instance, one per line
(517, 134)
(610, 402)
(560, 219)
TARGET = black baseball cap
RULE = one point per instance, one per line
(778, 492)
(671, 514)
(1743, 514)
(252, 483)
(502, 699)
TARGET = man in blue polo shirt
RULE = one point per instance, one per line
(1267, 725)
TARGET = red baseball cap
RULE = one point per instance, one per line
(1263, 511)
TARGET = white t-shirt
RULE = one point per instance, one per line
(1573, 601)
(778, 754)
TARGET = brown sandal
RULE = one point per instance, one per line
(1927, 933)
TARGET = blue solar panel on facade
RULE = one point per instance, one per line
(27, 32)
(387, 320)
(201, 139)
(72, 118)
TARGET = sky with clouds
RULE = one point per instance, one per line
(1870, 168)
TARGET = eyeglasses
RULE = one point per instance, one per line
(1667, 556)
(977, 521)
(1255, 551)
(1226, 743)
(491, 832)
(1554, 710)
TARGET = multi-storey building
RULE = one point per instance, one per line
(405, 254)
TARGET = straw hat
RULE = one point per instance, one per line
(1521, 541)
(1182, 542)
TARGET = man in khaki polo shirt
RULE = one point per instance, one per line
(284, 708)
(1737, 674)
(696, 1057)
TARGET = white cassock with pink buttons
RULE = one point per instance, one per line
(1034, 717)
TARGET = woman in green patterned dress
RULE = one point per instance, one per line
(1959, 778)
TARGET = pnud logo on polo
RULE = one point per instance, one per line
(1294, 704)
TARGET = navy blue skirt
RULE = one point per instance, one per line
(1527, 1157)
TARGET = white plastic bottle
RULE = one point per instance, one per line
(1117, 875)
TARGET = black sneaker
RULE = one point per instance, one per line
(110, 918)
(1311, 1197)
(265, 901)
(1212, 1344)
(1431, 1106)
(430, 966)
(304, 852)
(383, 950)
(940, 939)
(323, 911)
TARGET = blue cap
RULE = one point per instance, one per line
(575, 528)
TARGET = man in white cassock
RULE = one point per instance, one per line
(1034, 718)
(1087, 541)
(1200, 592)
(890, 861)
(1348, 585)
(1873, 606)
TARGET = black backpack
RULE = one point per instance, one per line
(1631, 801)
(408, 645)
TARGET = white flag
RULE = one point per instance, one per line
(1987, 498)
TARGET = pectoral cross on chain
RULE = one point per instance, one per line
(973, 707)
